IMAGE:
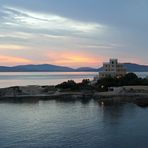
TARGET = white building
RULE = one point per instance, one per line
(112, 69)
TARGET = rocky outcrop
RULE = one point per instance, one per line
(40, 92)
(22, 91)
(138, 95)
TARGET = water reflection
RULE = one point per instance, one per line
(20, 100)
(37, 100)
(72, 123)
(115, 113)
(82, 100)
(112, 113)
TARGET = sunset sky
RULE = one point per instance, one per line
(73, 33)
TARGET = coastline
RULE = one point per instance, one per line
(132, 94)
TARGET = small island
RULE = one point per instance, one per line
(108, 90)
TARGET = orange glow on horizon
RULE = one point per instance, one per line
(74, 59)
(11, 60)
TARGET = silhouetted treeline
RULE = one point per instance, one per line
(72, 85)
(127, 80)
(103, 84)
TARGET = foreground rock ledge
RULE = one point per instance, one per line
(138, 94)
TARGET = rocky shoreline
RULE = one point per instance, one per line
(134, 94)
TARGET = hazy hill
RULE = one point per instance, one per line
(54, 68)
(36, 68)
(136, 67)
(86, 69)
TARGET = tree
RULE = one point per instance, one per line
(69, 85)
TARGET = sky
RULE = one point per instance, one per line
(74, 33)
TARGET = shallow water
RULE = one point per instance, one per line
(74, 124)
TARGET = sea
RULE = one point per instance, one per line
(69, 124)
(73, 124)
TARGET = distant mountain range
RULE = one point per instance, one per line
(136, 67)
(54, 68)
(35, 68)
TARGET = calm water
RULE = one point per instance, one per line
(45, 78)
(41, 78)
(54, 124)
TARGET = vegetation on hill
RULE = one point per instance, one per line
(71, 85)
(102, 84)
(128, 80)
